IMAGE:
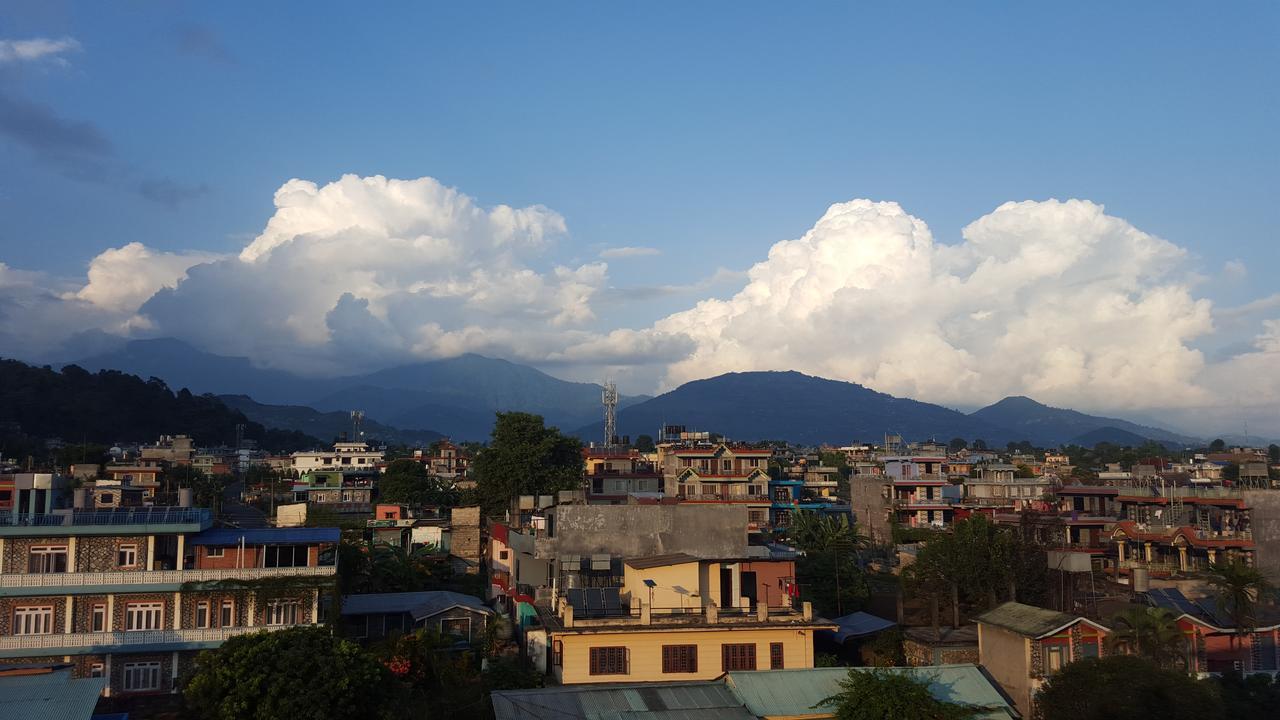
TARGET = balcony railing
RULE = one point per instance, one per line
(725, 498)
(127, 639)
(155, 577)
(91, 518)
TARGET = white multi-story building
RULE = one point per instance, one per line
(343, 456)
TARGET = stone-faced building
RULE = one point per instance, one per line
(131, 594)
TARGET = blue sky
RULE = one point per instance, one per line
(708, 131)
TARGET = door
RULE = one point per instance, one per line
(749, 587)
(726, 587)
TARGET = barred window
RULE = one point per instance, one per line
(608, 661)
(738, 656)
(775, 656)
(141, 676)
(679, 658)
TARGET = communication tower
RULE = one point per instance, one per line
(610, 399)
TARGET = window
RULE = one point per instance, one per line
(608, 661)
(144, 616)
(727, 465)
(754, 462)
(98, 618)
(557, 653)
(1087, 650)
(106, 498)
(214, 552)
(282, 612)
(504, 554)
(228, 612)
(775, 656)
(1055, 656)
(679, 658)
(755, 516)
(456, 627)
(284, 556)
(738, 656)
(202, 614)
(127, 556)
(97, 670)
(32, 620)
(47, 559)
(141, 676)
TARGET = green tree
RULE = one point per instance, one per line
(880, 694)
(828, 570)
(299, 673)
(1238, 588)
(644, 443)
(407, 481)
(957, 444)
(1124, 687)
(1273, 453)
(1256, 696)
(979, 444)
(525, 457)
(1022, 471)
(1149, 632)
(977, 563)
(1218, 445)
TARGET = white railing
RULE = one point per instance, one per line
(155, 577)
(126, 639)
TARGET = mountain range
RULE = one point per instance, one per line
(457, 397)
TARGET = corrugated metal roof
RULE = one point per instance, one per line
(650, 701)
(49, 696)
(856, 625)
(654, 561)
(266, 536)
(1028, 620)
(418, 604)
(797, 692)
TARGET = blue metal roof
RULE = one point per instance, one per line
(855, 625)
(418, 604)
(266, 536)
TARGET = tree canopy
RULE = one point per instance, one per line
(879, 694)
(407, 481)
(828, 572)
(525, 457)
(1125, 687)
(1149, 632)
(301, 673)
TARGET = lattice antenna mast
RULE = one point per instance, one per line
(357, 421)
(609, 397)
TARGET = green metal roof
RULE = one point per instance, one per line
(768, 693)
(49, 696)
(1027, 620)
(708, 700)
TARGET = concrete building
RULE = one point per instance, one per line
(378, 615)
(116, 592)
(720, 474)
(1021, 645)
(170, 450)
(612, 475)
(922, 494)
(997, 486)
(343, 456)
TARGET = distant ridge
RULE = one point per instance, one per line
(1046, 426)
(798, 408)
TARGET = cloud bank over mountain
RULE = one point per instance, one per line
(1056, 300)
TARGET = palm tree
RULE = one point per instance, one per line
(1238, 588)
(1152, 633)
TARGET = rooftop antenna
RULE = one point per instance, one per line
(609, 397)
(357, 420)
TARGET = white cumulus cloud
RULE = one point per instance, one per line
(121, 279)
(1056, 300)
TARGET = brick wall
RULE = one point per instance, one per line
(82, 613)
(240, 613)
(100, 554)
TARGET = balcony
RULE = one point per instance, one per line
(12, 585)
(160, 520)
(708, 497)
(13, 646)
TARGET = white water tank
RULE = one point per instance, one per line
(1141, 580)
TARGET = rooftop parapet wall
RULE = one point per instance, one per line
(630, 531)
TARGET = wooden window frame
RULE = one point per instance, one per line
(609, 660)
(679, 658)
(737, 656)
(227, 613)
(98, 618)
(777, 656)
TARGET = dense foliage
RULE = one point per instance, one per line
(888, 695)
(1125, 687)
(299, 673)
(407, 481)
(979, 564)
(110, 406)
(1149, 632)
(525, 457)
(828, 572)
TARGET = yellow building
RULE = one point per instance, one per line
(682, 632)
(697, 645)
